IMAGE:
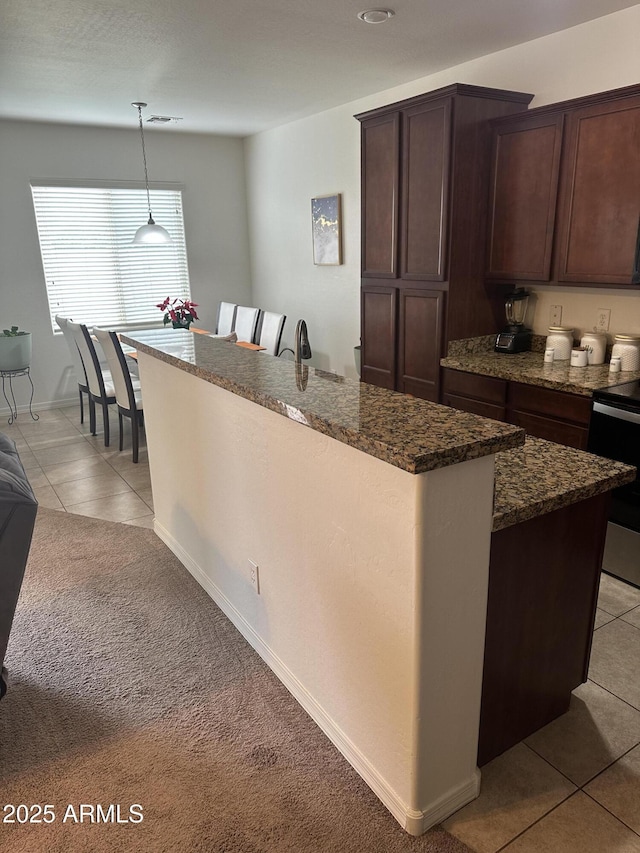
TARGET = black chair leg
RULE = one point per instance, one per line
(105, 420)
(92, 415)
(135, 438)
(121, 444)
(81, 405)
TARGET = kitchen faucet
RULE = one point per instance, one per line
(302, 348)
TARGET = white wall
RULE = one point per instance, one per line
(287, 166)
(212, 172)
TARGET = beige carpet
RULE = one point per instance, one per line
(128, 685)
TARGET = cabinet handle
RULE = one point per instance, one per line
(635, 275)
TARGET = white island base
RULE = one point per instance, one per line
(372, 581)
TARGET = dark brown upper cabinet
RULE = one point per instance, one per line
(425, 191)
(564, 205)
(380, 149)
(524, 191)
(599, 213)
(425, 182)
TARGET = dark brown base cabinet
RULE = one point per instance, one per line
(543, 588)
(565, 193)
(541, 412)
(425, 184)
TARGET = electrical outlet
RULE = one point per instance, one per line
(254, 576)
(602, 322)
(555, 315)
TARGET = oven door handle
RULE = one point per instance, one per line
(619, 414)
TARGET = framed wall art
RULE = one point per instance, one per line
(326, 227)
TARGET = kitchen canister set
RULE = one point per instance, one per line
(625, 354)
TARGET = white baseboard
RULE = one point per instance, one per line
(413, 821)
(42, 406)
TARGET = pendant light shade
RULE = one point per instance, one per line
(149, 234)
(152, 233)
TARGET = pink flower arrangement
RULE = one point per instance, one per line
(179, 312)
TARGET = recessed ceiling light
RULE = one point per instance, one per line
(376, 16)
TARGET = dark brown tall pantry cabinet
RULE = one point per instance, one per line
(425, 182)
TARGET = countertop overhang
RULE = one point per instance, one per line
(404, 431)
(542, 476)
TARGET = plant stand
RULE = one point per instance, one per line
(7, 379)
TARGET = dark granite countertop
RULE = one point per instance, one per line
(529, 368)
(541, 476)
(404, 431)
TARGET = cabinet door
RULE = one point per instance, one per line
(426, 134)
(420, 342)
(554, 415)
(378, 330)
(600, 195)
(380, 142)
(524, 188)
(559, 431)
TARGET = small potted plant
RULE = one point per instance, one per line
(179, 312)
(15, 349)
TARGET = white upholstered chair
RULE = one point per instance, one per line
(78, 368)
(101, 390)
(128, 397)
(246, 323)
(270, 332)
(226, 318)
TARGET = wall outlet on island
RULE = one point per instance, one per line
(555, 315)
(603, 319)
(254, 576)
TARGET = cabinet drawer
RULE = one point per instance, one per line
(475, 407)
(559, 431)
(484, 388)
(557, 404)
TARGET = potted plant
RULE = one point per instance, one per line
(15, 349)
(179, 312)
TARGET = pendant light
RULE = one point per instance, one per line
(149, 233)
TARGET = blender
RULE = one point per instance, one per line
(515, 337)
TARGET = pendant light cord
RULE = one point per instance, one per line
(144, 160)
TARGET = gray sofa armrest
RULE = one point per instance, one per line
(18, 508)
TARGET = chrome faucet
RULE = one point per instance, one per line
(302, 348)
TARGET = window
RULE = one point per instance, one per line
(93, 273)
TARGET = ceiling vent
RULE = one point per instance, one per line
(163, 119)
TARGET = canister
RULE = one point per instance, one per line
(595, 344)
(560, 339)
(628, 348)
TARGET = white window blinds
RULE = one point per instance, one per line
(93, 273)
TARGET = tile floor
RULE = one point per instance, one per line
(572, 787)
(71, 470)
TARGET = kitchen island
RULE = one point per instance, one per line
(369, 516)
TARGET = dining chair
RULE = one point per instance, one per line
(128, 398)
(270, 332)
(100, 390)
(246, 323)
(78, 367)
(226, 318)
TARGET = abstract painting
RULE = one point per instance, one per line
(326, 227)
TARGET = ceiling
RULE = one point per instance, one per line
(245, 65)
